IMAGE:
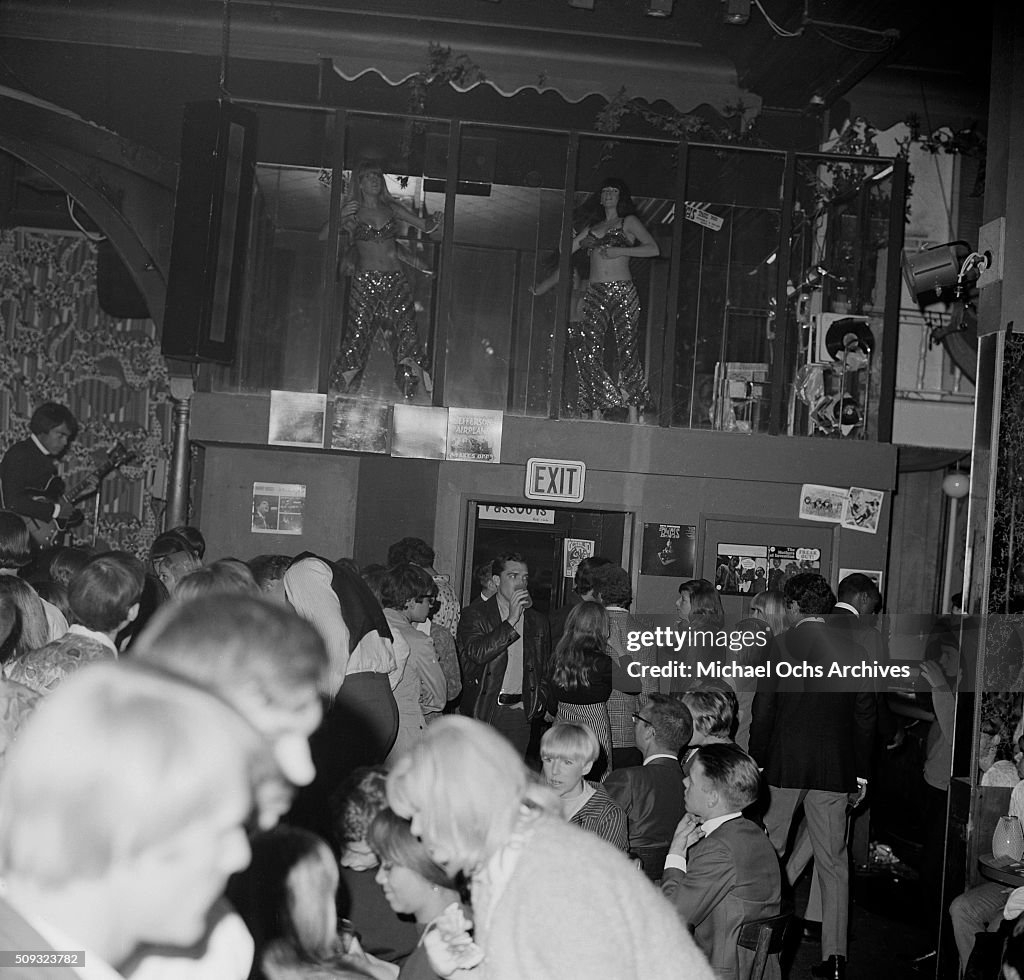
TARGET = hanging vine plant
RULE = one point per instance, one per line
(445, 66)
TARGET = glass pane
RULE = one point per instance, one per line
(838, 303)
(624, 208)
(389, 224)
(284, 302)
(730, 239)
(508, 217)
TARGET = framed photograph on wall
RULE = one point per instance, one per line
(742, 569)
(669, 549)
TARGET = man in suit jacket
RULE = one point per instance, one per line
(504, 647)
(722, 870)
(812, 734)
(122, 813)
(652, 794)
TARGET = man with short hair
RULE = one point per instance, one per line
(652, 794)
(813, 736)
(29, 484)
(504, 648)
(263, 659)
(122, 811)
(722, 870)
(582, 590)
(418, 552)
(268, 571)
(268, 664)
(104, 599)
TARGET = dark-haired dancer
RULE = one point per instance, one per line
(612, 235)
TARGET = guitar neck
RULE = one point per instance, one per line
(118, 458)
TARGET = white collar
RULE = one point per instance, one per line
(660, 755)
(710, 826)
(80, 630)
(39, 445)
(847, 606)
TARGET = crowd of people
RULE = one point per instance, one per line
(293, 766)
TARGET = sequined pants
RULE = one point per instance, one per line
(377, 300)
(605, 304)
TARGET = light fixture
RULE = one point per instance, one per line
(658, 8)
(956, 485)
(736, 11)
(952, 265)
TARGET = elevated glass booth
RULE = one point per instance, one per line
(769, 302)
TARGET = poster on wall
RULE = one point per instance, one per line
(669, 549)
(784, 562)
(297, 418)
(818, 503)
(863, 510)
(419, 432)
(277, 508)
(360, 426)
(574, 550)
(474, 435)
(874, 575)
(741, 569)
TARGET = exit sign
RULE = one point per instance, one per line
(555, 479)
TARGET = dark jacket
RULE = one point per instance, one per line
(652, 797)
(24, 474)
(813, 733)
(731, 877)
(483, 639)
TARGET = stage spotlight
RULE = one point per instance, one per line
(949, 266)
(736, 11)
(658, 8)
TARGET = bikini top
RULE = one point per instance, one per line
(363, 231)
(614, 237)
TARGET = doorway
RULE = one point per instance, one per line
(551, 540)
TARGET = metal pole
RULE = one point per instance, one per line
(176, 512)
(947, 579)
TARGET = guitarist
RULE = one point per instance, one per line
(29, 484)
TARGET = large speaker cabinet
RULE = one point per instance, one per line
(211, 230)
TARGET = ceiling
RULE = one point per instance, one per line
(130, 65)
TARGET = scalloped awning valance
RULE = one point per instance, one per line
(685, 76)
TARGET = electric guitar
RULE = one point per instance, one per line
(48, 534)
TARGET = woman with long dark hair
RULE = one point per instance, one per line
(612, 234)
(584, 674)
(611, 300)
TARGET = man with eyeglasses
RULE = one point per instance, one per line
(652, 794)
